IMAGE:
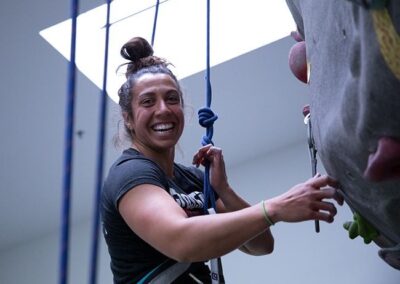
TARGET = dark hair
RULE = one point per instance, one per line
(141, 61)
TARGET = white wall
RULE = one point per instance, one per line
(37, 262)
(300, 256)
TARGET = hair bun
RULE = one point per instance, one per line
(136, 49)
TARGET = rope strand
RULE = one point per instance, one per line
(207, 119)
(68, 154)
(100, 157)
(155, 23)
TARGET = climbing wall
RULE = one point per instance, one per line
(348, 53)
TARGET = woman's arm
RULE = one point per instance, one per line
(261, 244)
(155, 217)
(229, 201)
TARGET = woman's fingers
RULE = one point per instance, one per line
(319, 181)
(323, 216)
(213, 155)
(331, 193)
(198, 158)
(325, 211)
(308, 201)
(325, 206)
(329, 189)
(205, 153)
(338, 197)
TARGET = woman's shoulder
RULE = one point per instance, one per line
(134, 161)
(130, 170)
(129, 154)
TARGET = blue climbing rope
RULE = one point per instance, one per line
(68, 154)
(207, 119)
(100, 157)
(153, 35)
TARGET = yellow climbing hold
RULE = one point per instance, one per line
(388, 38)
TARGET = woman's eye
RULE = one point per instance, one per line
(174, 99)
(147, 102)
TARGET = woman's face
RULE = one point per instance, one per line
(157, 110)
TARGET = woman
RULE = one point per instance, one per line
(152, 207)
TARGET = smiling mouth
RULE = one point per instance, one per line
(163, 127)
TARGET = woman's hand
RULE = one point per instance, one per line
(259, 244)
(213, 155)
(305, 201)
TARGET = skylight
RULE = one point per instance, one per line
(237, 27)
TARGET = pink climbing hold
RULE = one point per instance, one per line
(298, 61)
(306, 110)
(296, 36)
(384, 164)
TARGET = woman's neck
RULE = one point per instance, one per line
(165, 159)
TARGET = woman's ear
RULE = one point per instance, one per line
(127, 120)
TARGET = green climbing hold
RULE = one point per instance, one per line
(360, 227)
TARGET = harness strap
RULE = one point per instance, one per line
(171, 273)
(217, 274)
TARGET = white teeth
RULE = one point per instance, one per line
(163, 126)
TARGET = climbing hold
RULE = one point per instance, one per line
(388, 39)
(391, 256)
(296, 36)
(298, 61)
(384, 163)
(306, 110)
(361, 227)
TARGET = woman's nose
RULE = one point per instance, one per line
(162, 106)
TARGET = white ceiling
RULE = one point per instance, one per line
(180, 33)
(258, 101)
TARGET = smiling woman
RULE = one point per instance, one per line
(157, 121)
(152, 208)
